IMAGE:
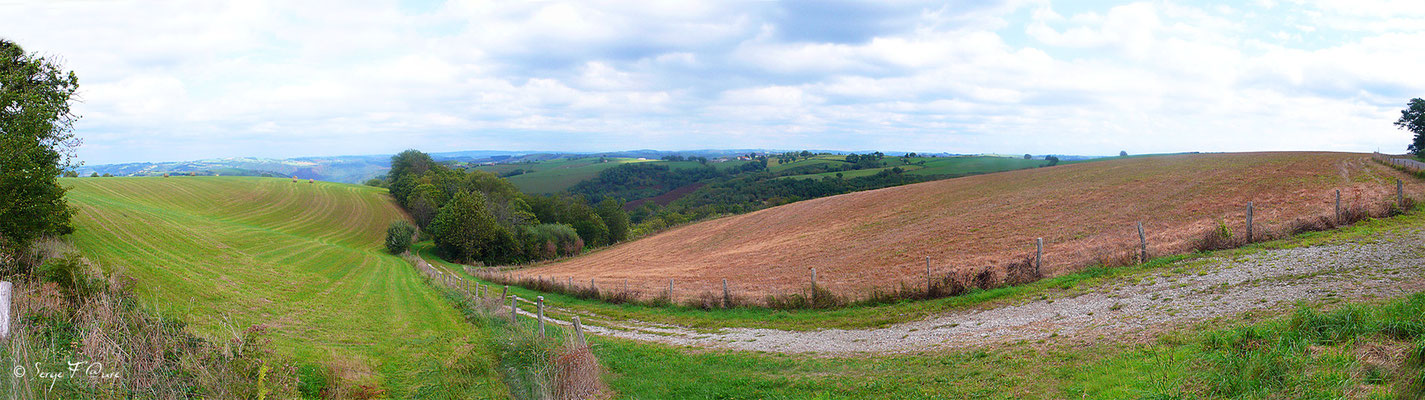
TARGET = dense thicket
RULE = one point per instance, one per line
(36, 145)
(477, 216)
(641, 180)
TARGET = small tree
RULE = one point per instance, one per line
(398, 237)
(37, 144)
(1027, 156)
(94, 175)
(1413, 119)
(1123, 153)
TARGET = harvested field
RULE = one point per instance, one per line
(1085, 212)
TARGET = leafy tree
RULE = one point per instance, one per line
(108, 176)
(1052, 160)
(1123, 153)
(37, 144)
(94, 175)
(1027, 156)
(465, 231)
(611, 211)
(71, 174)
(398, 237)
(410, 162)
(1413, 120)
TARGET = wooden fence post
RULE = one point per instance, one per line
(571, 284)
(928, 284)
(1038, 256)
(726, 297)
(513, 308)
(541, 315)
(6, 294)
(1249, 222)
(506, 292)
(813, 285)
(1400, 194)
(1142, 244)
(670, 289)
(579, 332)
(592, 287)
(1338, 206)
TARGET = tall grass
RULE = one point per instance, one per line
(554, 365)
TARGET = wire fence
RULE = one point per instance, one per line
(930, 278)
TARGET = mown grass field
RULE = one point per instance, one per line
(963, 165)
(303, 258)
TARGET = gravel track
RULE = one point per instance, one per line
(1127, 309)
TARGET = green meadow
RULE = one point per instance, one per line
(304, 259)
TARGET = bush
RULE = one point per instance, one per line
(398, 237)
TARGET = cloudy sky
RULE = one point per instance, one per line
(192, 80)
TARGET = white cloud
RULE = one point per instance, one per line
(182, 80)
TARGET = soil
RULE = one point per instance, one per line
(1086, 213)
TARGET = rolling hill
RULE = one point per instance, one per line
(302, 258)
(880, 238)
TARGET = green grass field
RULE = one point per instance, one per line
(556, 175)
(303, 258)
(964, 165)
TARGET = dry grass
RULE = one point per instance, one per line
(868, 242)
(70, 312)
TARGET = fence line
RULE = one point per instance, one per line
(940, 283)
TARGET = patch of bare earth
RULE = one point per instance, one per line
(1084, 212)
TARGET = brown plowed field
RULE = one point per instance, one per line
(880, 238)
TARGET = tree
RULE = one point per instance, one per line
(398, 237)
(611, 211)
(465, 231)
(1413, 119)
(1052, 160)
(37, 144)
(1027, 156)
(94, 175)
(1123, 153)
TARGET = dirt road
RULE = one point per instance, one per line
(1132, 308)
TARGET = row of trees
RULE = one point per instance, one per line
(477, 216)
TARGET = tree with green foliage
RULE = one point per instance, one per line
(37, 144)
(1123, 153)
(1028, 156)
(398, 236)
(465, 231)
(615, 218)
(94, 175)
(1412, 119)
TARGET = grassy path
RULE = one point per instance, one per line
(302, 258)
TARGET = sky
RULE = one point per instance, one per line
(171, 81)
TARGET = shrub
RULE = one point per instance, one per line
(398, 236)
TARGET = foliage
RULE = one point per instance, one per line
(478, 216)
(465, 231)
(1413, 119)
(398, 236)
(36, 146)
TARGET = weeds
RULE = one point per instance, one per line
(66, 312)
